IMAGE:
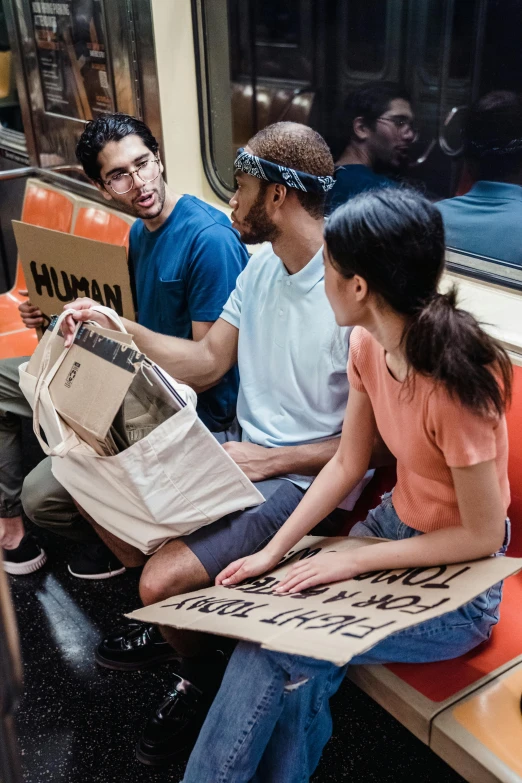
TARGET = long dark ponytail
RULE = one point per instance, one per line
(394, 239)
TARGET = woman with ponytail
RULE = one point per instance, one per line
(435, 386)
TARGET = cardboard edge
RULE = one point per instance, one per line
(95, 243)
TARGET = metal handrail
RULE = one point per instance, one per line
(424, 156)
(449, 9)
(72, 167)
(30, 171)
(26, 171)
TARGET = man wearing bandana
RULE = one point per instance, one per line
(292, 359)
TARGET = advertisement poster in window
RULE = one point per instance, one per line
(72, 58)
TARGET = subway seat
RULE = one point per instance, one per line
(468, 709)
(104, 225)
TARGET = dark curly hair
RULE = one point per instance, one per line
(493, 137)
(109, 127)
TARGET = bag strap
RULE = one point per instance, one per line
(112, 315)
(45, 376)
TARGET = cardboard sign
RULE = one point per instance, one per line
(333, 622)
(60, 267)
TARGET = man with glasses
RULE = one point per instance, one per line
(184, 260)
(379, 121)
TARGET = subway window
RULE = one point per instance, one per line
(263, 61)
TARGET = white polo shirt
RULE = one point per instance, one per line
(292, 356)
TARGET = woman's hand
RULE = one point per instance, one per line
(318, 570)
(81, 310)
(245, 567)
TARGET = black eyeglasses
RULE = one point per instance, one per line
(402, 124)
(147, 171)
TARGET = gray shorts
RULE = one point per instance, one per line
(244, 532)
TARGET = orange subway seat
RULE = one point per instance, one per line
(98, 223)
(21, 342)
(47, 207)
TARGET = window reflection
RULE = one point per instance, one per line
(364, 28)
(298, 60)
(277, 23)
(463, 32)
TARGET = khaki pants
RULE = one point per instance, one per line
(43, 499)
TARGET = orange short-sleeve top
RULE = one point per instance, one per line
(428, 432)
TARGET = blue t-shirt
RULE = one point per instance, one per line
(185, 271)
(352, 179)
(486, 221)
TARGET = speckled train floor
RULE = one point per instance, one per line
(78, 723)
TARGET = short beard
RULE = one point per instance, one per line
(161, 200)
(388, 169)
(259, 226)
(131, 209)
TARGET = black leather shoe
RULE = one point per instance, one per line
(137, 646)
(174, 727)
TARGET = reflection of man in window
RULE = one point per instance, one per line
(378, 119)
(487, 221)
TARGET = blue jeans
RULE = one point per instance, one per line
(271, 718)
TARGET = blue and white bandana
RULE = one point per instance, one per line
(273, 172)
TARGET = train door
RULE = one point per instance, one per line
(69, 62)
(13, 151)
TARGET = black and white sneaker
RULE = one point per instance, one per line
(27, 558)
(96, 562)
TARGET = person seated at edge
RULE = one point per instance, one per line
(418, 365)
(379, 121)
(292, 395)
(487, 221)
(185, 258)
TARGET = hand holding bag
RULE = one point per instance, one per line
(172, 482)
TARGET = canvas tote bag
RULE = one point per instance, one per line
(172, 482)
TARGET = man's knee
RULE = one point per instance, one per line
(44, 500)
(172, 570)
